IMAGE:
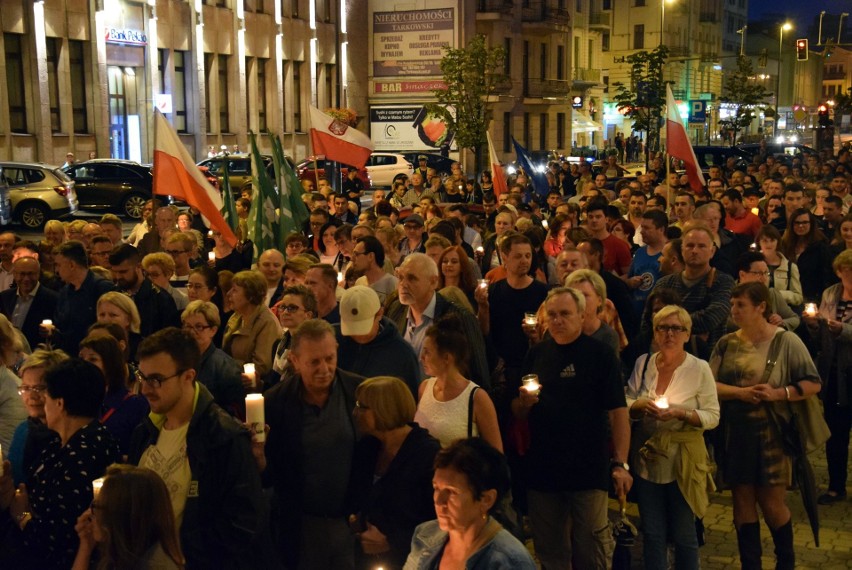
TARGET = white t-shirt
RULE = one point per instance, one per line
(169, 460)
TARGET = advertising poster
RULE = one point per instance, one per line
(408, 127)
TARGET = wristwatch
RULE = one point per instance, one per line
(622, 464)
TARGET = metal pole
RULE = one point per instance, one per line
(840, 26)
(742, 32)
(778, 77)
(819, 34)
(662, 19)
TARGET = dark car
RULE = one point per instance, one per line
(718, 156)
(779, 150)
(312, 168)
(106, 184)
(239, 170)
(440, 163)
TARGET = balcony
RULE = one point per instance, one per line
(833, 75)
(678, 51)
(495, 6)
(546, 88)
(585, 78)
(545, 16)
(502, 86)
(600, 21)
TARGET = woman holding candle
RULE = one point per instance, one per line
(672, 400)
(755, 462)
(456, 270)
(122, 410)
(391, 482)
(65, 470)
(252, 329)
(328, 250)
(131, 498)
(228, 257)
(831, 326)
(783, 273)
(804, 244)
(451, 406)
(470, 479)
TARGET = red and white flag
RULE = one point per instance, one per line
(175, 174)
(338, 141)
(678, 145)
(498, 179)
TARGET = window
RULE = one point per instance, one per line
(526, 70)
(161, 68)
(285, 68)
(507, 132)
(208, 80)
(297, 96)
(579, 6)
(639, 36)
(52, 45)
(606, 5)
(329, 84)
(605, 41)
(527, 137)
(591, 53)
(560, 62)
(560, 130)
(294, 8)
(261, 94)
(77, 69)
(15, 83)
(224, 125)
(179, 92)
(543, 61)
(507, 61)
(542, 131)
(639, 2)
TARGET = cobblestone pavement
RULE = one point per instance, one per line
(720, 552)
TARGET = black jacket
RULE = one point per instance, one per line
(42, 307)
(284, 415)
(76, 310)
(225, 515)
(156, 307)
(402, 498)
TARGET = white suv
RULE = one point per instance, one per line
(384, 166)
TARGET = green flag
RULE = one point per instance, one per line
(263, 220)
(292, 212)
(229, 208)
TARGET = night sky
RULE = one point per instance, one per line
(802, 12)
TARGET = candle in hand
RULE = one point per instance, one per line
(811, 309)
(755, 211)
(255, 416)
(531, 384)
(530, 319)
(248, 370)
(96, 487)
(211, 255)
(482, 283)
(662, 402)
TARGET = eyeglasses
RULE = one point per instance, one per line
(197, 328)
(290, 308)
(360, 406)
(804, 223)
(759, 273)
(36, 390)
(666, 329)
(156, 380)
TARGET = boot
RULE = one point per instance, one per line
(748, 540)
(785, 558)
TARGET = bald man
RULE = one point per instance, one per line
(271, 264)
(29, 303)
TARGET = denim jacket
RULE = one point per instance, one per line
(503, 552)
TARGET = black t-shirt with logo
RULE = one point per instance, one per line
(569, 426)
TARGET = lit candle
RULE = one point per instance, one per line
(47, 322)
(531, 384)
(662, 402)
(210, 234)
(96, 487)
(248, 370)
(255, 417)
(340, 277)
(544, 224)
(482, 283)
(480, 250)
(811, 309)
(755, 211)
(530, 319)
(753, 246)
(211, 255)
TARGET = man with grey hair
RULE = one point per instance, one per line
(569, 465)
(309, 452)
(419, 305)
(29, 303)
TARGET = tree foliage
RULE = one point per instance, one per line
(748, 96)
(471, 74)
(843, 104)
(643, 100)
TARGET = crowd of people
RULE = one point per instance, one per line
(447, 373)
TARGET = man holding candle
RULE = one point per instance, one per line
(568, 466)
(309, 453)
(27, 305)
(202, 454)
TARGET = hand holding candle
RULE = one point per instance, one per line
(662, 403)
(255, 417)
(482, 283)
(96, 487)
(530, 319)
(211, 256)
(248, 370)
(811, 310)
(531, 384)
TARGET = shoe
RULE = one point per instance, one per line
(830, 498)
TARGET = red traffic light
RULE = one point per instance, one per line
(822, 109)
(802, 49)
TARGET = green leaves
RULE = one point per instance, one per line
(742, 89)
(643, 100)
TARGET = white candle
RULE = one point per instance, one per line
(482, 283)
(531, 384)
(340, 277)
(480, 250)
(662, 402)
(210, 234)
(530, 319)
(255, 416)
(753, 246)
(47, 322)
(211, 255)
(248, 370)
(811, 309)
(755, 211)
(96, 487)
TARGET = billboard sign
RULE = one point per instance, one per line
(411, 43)
(407, 127)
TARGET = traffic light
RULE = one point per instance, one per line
(802, 49)
(824, 119)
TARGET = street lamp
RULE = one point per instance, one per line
(663, 17)
(786, 26)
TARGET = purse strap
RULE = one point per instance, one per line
(772, 356)
(470, 412)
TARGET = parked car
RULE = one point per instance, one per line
(718, 156)
(383, 167)
(107, 184)
(312, 168)
(439, 163)
(777, 149)
(239, 170)
(38, 192)
(5, 202)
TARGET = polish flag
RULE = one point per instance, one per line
(175, 174)
(678, 145)
(498, 179)
(338, 141)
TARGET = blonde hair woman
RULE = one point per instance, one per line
(118, 308)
